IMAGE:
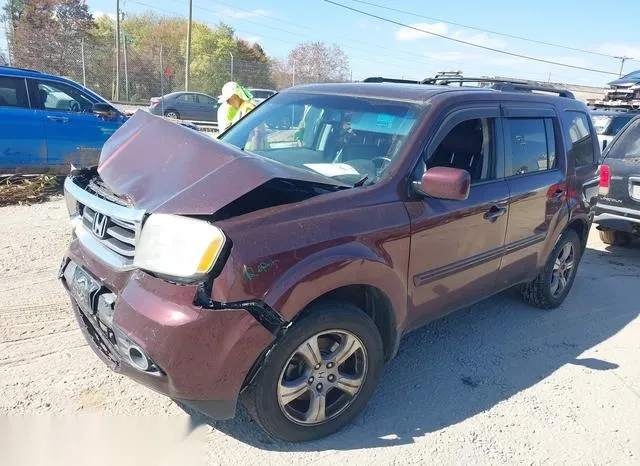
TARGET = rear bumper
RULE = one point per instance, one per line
(617, 218)
(202, 356)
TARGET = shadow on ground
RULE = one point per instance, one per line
(476, 358)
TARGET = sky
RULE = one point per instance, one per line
(378, 48)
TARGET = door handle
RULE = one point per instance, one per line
(494, 213)
(59, 119)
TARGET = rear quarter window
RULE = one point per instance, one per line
(627, 146)
(578, 138)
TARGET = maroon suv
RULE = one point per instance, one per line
(283, 263)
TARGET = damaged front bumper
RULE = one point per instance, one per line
(151, 331)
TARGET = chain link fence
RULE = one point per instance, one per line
(143, 72)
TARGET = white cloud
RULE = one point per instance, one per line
(242, 14)
(408, 33)
(480, 39)
(102, 14)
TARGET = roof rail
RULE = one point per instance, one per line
(446, 80)
(509, 85)
(19, 69)
(390, 80)
(517, 87)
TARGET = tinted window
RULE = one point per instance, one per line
(470, 146)
(628, 144)
(531, 144)
(13, 93)
(618, 123)
(188, 98)
(62, 97)
(578, 138)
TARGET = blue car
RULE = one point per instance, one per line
(48, 123)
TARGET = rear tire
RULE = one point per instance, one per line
(550, 288)
(615, 237)
(173, 114)
(284, 398)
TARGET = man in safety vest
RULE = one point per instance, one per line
(236, 102)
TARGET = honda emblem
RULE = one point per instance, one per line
(99, 225)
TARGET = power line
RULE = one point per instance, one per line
(460, 41)
(489, 31)
(352, 57)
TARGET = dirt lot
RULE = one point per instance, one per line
(498, 382)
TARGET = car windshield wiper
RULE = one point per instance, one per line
(361, 181)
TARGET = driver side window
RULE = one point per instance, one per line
(62, 97)
(469, 146)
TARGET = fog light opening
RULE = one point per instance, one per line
(139, 359)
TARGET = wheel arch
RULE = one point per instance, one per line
(581, 226)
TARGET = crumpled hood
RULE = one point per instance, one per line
(160, 166)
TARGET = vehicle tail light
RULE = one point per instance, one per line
(154, 101)
(605, 180)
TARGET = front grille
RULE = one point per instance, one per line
(108, 229)
(119, 235)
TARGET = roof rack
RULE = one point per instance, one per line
(390, 80)
(508, 85)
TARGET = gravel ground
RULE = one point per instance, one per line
(498, 382)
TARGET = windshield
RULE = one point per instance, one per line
(632, 75)
(350, 139)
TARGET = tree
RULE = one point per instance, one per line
(46, 35)
(317, 62)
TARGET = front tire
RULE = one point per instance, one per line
(319, 376)
(615, 238)
(550, 288)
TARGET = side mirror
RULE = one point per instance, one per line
(105, 111)
(445, 183)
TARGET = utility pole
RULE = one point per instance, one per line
(84, 69)
(622, 60)
(231, 55)
(117, 95)
(126, 68)
(188, 64)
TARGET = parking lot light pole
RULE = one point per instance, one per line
(231, 55)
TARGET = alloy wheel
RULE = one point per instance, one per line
(322, 377)
(563, 268)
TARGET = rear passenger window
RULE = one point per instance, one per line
(188, 98)
(13, 92)
(578, 139)
(531, 144)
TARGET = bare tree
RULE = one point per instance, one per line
(316, 62)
